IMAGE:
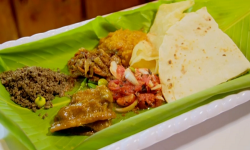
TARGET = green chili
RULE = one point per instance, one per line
(91, 85)
(83, 85)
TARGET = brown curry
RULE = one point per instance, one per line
(91, 108)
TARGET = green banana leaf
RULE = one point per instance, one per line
(233, 17)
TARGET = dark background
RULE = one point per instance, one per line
(19, 18)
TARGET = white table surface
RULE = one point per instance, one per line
(227, 131)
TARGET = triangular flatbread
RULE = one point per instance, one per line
(196, 55)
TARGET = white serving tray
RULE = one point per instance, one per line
(180, 123)
(161, 131)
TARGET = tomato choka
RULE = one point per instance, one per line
(147, 92)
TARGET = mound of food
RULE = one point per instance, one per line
(135, 88)
(92, 64)
(28, 83)
(91, 108)
(122, 43)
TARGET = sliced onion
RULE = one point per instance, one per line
(159, 97)
(150, 84)
(81, 70)
(86, 66)
(143, 70)
(113, 68)
(157, 87)
(130, 77)
(128, 108)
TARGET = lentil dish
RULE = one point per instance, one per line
(122, 43)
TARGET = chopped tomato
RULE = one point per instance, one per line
(158, 102)
(127, 89)
(116, 95)
(126, 100)
(138, 88)
(146, 100)
(146, 78)
(113, 85)
(155, 79)
(120, 71)
(122, 89)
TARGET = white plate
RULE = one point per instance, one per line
(180, 123)
(230, 128)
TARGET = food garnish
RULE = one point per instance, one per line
(102, 82)
(83, 85)
(129, 75)
(91, 85)
(40, 101)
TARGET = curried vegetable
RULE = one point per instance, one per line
(92, 64)
(116, 47)
(90, 108)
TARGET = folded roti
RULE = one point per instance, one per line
(196, 55)
(145, 53)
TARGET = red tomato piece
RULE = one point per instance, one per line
(127, 89)
(158, 102)
(113, 85)
(120, 71)
(138, 88)
(116, 95)
(146, 100)
(146, 78)
(126, 100)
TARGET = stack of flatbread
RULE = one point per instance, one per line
(146, 53)
(193, 54)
